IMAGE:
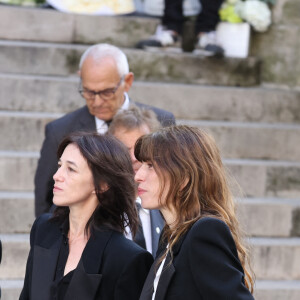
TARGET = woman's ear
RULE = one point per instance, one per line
(104, 187)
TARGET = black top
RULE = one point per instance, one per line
(109, 268)
(61, 283)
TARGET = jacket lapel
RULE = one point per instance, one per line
(86, 278)
(83, 285)
(165, 279)
(147, 291)
(86, 121)
(157, 224)
(44, 264)
(166, 274)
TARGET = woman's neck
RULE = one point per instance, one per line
(79, 217)
(169, 216)
(77, 225)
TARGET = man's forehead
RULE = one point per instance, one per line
(94, 62)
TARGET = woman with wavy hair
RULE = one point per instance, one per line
(201, 253)
(80, 252)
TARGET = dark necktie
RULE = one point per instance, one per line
(139, 237)
(108, 122)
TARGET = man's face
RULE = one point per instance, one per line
(100, 77)
(128, 138)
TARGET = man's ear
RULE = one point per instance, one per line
(128, 81)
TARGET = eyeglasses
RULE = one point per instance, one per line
(104, 95)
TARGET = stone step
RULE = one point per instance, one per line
(48, 25)
(62, 59)
(268, 217)
(15, 250)
(276, 258)
(236, 139)
(273, 259)
(281, 65)
(12, 218)
(277, 290)
(257, 178)
(58, 94)
(264, 290)
(11, 289)
(253, 140)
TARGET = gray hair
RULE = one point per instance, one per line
(134, 118)
(100, 51)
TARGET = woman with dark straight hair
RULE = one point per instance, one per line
(201, 253)
(80, 252)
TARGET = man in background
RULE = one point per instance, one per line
(105, 80)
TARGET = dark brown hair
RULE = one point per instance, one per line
(110, 163)
(189, 160)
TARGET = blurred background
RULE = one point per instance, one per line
(251, 105)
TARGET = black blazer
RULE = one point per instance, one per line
(55, 131)
(111, 267)
(205, 265)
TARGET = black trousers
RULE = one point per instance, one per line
(206, 21)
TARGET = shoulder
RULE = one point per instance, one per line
(210, 224)
(42, 220)
(125, 249)
(41, 226)
(126, 245)
(68, 119)
(79, 119)
(211, 230)
(211, 234)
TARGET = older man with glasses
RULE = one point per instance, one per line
(105, 80)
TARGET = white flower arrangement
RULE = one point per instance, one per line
(256, 12)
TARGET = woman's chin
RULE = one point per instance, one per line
(58, 202)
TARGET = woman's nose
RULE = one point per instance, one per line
(139, 175)
(57, 175)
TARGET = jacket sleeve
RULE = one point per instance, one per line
(214, 262)
(47, 166)
(25, 293)
(133, 276)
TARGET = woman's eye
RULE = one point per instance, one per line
(149, 165)
(70, 169)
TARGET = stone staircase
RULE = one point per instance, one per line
(255, 121)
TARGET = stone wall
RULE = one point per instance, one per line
(279, 47)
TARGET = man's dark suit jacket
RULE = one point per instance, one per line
(111, 267)
(205, 266)
(79, 120)
(157, 224)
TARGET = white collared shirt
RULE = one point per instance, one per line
(157, 276)
(101, 125)
(144, 215)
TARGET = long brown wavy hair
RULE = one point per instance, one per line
(189, 159)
